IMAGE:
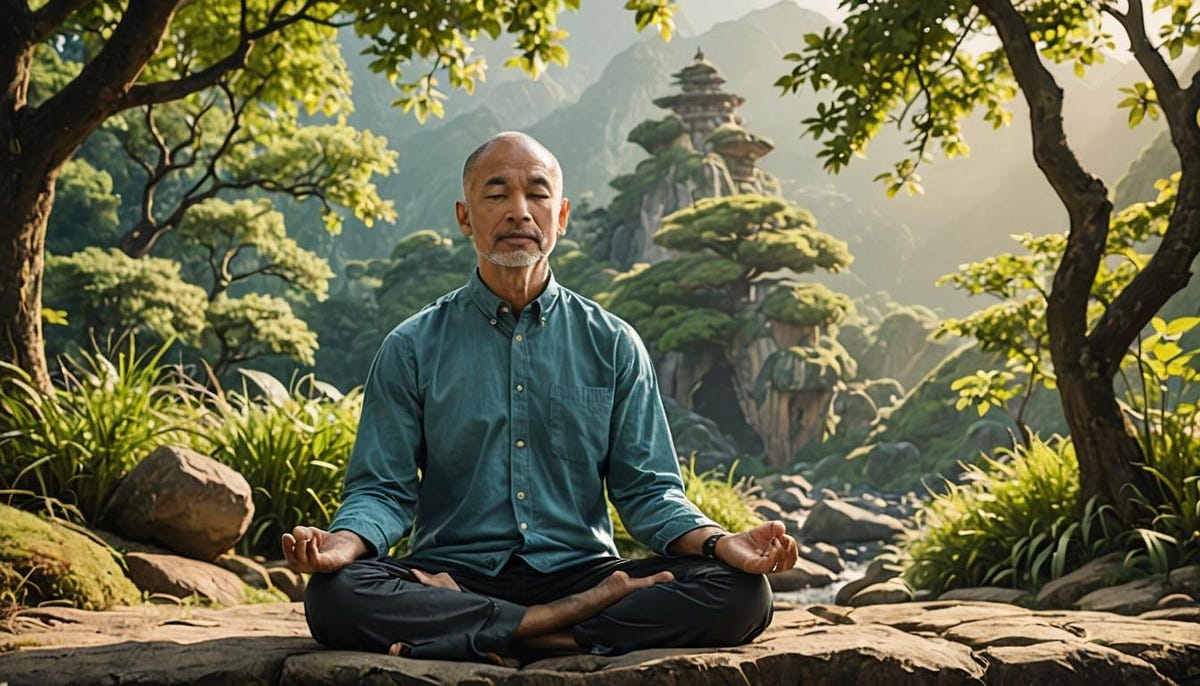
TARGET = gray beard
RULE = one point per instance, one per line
(513, 258)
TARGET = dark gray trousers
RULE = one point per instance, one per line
(372, 604)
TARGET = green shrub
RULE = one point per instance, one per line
(73, 446)
(292, 448)
(1011, 522)
(726, 500)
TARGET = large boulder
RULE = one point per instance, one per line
(249, 571)
(883, 593)
(781, 482)
(838, 521)
(1184, 580)
(790, 499)
(41, 561)
(185, 501)
(182, 577)
(880, 570)
(1134, 597)
(824, 554)
(1064, 591)
(804, 575)
(289, 582)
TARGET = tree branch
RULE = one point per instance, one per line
(1180, 119)
(172, 90)
(52, 15)
(64, 121)
(166, 91)
(1082, 194)
(1167, 273)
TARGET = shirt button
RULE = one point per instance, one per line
(542, 321)
(524, 526)
(520, 338)
(520, 388)
(492, 322)
(520, 444)
(520, 495)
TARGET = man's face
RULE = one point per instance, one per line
(514, 209)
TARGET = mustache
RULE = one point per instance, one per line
(532, 235)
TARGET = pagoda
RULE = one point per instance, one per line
(709, 116)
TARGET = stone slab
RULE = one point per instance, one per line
(939, 642)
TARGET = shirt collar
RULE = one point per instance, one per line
(490, 303)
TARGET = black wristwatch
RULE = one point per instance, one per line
(709, 549)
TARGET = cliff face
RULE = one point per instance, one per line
(698, 151)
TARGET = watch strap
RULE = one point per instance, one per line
(709, 548)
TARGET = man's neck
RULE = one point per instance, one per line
(518, 286)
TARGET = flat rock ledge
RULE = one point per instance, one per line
(941, 642)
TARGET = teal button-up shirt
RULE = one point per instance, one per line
(489, 436)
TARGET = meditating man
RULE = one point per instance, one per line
(493, 423)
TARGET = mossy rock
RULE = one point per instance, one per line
(42, 561)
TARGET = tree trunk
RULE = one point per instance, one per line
(27, 195)
(1110, 458)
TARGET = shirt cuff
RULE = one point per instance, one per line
(676, 528)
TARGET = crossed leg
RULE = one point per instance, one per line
(608, 607)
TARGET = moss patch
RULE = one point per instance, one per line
(42, 561)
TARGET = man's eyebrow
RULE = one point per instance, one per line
(541, 180)
(495, 181)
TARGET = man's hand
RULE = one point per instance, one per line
(762, 550)
(312, 550)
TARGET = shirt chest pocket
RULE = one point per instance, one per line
(580, 417)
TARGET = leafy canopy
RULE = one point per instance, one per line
(729, 244)
(913, 65)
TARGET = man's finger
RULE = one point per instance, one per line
(791, 553)
(288, 543)
(312, 550)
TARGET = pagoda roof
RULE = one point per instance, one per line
(734, 140)
(699, 75)
(702, 98)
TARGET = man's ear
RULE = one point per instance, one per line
(463, 216)
(564, 215)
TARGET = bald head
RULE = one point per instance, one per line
(518, 138)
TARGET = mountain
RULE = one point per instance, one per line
(902, 245)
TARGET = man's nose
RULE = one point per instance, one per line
(518, 210)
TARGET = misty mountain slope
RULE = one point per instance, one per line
(589, 135)
(970, 207)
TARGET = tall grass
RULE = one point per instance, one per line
(1171, 536)
(1011, 522)
(292, 446)
(1164, 402)
(66, 452)
(1016, 520)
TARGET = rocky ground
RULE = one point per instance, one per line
(942, 642)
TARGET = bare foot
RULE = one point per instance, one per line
(565, 612)
(441, 580)
(619, 584)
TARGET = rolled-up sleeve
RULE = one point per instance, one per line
(643, 476)
(380, 491)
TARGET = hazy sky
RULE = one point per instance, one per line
(700, 15)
